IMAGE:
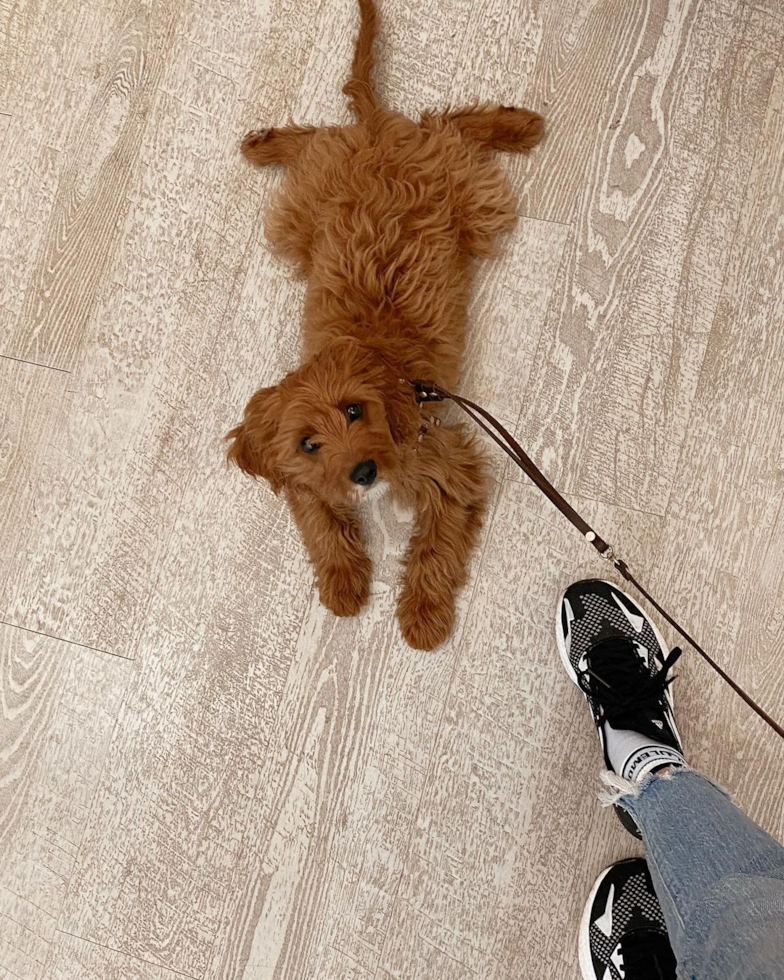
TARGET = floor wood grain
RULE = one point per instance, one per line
(663, 191)
(91, 201)
(75, 959)
(57, 715)
(30, 398)
(203, 774)
(727, 526)
(52, 68)
(343, 778)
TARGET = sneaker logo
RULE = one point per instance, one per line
(636, 621)
(569, 620)
(604, 923)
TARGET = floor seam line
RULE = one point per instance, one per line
(63, 639)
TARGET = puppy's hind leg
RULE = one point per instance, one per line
(451, 502)
(496, 127)
(280, 145)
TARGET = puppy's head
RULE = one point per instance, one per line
(334, 426)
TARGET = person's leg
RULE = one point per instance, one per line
(718, 877)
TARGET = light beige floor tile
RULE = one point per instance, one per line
(74, 959)
(58, 705)
(30, 399)
(286, 795)
(616, 373)
(720, 554)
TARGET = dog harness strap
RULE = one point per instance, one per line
(427, 391)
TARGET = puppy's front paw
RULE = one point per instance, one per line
(426, 619)
(344, 589)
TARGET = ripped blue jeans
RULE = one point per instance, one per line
(718, 876)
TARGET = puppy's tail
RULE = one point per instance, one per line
(359, 88)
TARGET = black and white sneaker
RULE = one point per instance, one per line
(616, 656)
(623, 935)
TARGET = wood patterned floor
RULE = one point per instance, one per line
(202, 773)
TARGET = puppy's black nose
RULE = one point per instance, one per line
(364, 473)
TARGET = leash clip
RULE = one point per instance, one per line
(425, 391)
(609, 552)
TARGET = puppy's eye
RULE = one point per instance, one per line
(354, 412)
(308, 446)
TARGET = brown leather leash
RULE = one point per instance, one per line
(426, 391)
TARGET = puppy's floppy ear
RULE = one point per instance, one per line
(251, 441)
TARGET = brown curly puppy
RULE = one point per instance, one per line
(382, 217)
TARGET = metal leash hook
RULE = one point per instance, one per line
(609, 553)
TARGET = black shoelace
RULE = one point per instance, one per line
(647, 955)
(616, 680)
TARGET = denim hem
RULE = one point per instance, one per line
(623, 792)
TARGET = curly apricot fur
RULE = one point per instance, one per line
(382, 217)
